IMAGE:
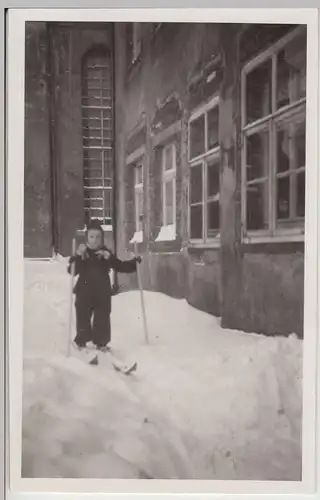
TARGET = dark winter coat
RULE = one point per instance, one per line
(94, 275)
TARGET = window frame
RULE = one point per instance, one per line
(197, 113)
(274, 232)
(101, 54)
(203, 159)
(138, 190)
(169, 176)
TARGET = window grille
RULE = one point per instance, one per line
(97, 119)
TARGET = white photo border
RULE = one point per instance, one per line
(27, 488)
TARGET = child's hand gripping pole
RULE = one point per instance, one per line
(73, 265)
(142, 298)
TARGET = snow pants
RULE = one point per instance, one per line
(93, 322)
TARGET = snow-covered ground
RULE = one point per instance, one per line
(205, 403)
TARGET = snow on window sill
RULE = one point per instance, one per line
(107, 228)
(167, 233)
(104, 227)
(137, 237)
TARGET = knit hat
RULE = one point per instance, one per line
(94, 224)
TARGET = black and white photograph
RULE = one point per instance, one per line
(164, 219)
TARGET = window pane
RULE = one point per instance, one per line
(94, 202)
(283, 150)
(139, 174)
(213, 178)
(291, 72)
(108, 201)
(291, 145)
(169, 193)
(140, 203)
(96, 213)
(196, 184)
(257, 155)
(93, 193)
(213, 127)
(169, 158)
(139, 210)
(169, 215)
(89, 142)
(196, 222)
(283, 198)
(258, 92)
(213, 221)
(93, 155)
(95, 115)
(257, 206)
(169, 197)
(197, 137)
(301, 194)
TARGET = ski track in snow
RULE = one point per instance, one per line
(205, 403)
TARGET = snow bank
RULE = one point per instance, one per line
(224, 404)
(238, 410)
(78, 424)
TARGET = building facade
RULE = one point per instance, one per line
(205, 159)
(69, 143)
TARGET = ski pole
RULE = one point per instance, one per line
(142, 298)
(70, 296)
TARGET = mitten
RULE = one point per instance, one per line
(82, 251)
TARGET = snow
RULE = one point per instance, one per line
(105, 227)
(205, 403)
(137, 237)
(167, 233)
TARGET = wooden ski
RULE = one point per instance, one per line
(85, 354)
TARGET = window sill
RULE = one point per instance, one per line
(278, 238)
(105, 228)
(136, 238)
(167, 233)
(213, 243)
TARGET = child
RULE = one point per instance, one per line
(93, 291)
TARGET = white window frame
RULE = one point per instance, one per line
(168, 231)
(138, 191)
(269, 122)
(203, 159)
(169, 176)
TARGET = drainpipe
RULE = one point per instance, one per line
(114, 162)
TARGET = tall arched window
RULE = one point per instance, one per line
(98, 143)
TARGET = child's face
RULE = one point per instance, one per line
(94, 239)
